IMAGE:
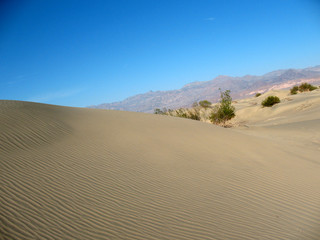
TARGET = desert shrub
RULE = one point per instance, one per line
(158, 111)
(224, 110)
(193, 114)
(270, 101)
(294, 90)
(306, 87)
(162, 111)
(258, 94)
(181, 113)
(205, 103)
(169, 111)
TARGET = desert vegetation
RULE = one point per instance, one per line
(224, 110)
(258, 94)
(193, 113)
(294, 90)
(270, 101)
(304, 87)
(205, 104)
(203, 111)
(159, 111)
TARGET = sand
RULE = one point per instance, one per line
(72, 173)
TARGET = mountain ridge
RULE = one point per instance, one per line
(240, 87)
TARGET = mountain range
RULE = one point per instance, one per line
(240, 87)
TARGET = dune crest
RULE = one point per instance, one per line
(71, 173)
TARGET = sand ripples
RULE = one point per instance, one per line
(90, 174)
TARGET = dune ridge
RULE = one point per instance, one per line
(72, 173)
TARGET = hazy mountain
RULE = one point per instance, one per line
(195, 91)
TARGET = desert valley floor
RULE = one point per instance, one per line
(75, 173)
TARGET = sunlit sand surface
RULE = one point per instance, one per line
(72, 173)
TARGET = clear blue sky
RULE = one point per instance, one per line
(80, 53)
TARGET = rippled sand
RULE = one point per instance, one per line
(72, 173)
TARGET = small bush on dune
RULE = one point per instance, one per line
(158, 111)
(270, 101)
(193, 114)
(294, 90)
(306, 87)
(181, 113)
(163, 111)
(258, 94)
(224, 110)
(205, 103)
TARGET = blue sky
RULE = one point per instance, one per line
(80, 53)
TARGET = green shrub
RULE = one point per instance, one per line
(224, 110)
(270, 101)
(205, 103)
(304, 87)
(294, 90)
(164, 111)
(181, 113)
(258, 94)
(158, 111)
(194, 114)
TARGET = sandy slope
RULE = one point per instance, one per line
(295, 121)
(69, 173)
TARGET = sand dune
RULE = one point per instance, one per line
(295, 121)
(72, 173)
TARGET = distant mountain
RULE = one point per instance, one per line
(240, 87)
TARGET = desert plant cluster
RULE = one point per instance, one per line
(224, 110)
(205, 104)
(203, 110)
(270, 101)
(304, 87)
